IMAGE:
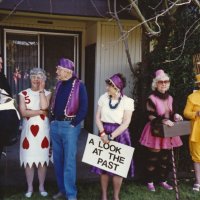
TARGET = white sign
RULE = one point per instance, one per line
(113, 157)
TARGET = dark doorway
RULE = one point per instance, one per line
(90, 53)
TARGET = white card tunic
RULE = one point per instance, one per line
(34, 141)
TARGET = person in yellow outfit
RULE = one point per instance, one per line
(192, 112)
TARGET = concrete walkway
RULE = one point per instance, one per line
(11, 174)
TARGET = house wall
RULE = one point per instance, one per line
(111, 57)
(91, 33)
(110, 51)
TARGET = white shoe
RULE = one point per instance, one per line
(44, 194)
(196, 187)
(28, 194)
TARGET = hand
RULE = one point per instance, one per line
(168, 122)
(44, 112)
(41, 85)
(105, 139)
(178, 118)
(198, 113)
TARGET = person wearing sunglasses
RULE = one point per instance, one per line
(69, 108)
(113, 116)
(160, 109)
(192, 112)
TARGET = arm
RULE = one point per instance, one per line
(28, 113)
(83, 106)
(188, 112)
(44, 100)
(124, 125)
(154, 117)
(98, 120)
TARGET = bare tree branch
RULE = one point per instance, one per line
(13, 10)
(146, 22)
(196, 2)
(125, 40)
(146, 25)
(186, 36)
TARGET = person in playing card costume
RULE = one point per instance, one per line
(35, 141)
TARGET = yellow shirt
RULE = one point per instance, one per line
(192, 106)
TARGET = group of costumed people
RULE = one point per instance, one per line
(68, 108)
(113, 118)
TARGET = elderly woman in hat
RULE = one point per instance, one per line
(34, 142)
(68, 110)
(112, 118)
(160, 109)
(192, 112)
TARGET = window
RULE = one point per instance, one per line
(27, 49)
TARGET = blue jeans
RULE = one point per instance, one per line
(64, 139)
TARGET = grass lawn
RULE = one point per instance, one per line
(91, 191)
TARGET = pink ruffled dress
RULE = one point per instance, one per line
(150, 141)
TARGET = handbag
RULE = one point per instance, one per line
(180, 128)
(9, 122)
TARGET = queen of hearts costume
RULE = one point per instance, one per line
(35, 141)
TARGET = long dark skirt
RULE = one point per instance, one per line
(123, 138)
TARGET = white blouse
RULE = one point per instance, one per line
(114, 115)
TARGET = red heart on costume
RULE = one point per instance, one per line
(42, 117)
(25, 143)
(34, 130)
(24, 93)
(28, 118)
(45, 143)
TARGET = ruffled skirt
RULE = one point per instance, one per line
(148, 140)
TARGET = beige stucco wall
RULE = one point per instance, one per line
(111, 56)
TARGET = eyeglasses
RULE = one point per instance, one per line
(59, 68)
(110, 83)
(35, 77)
(163, 82)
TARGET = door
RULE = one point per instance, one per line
(89, 82)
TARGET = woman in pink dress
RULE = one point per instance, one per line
(160, 110)
(34, 142)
